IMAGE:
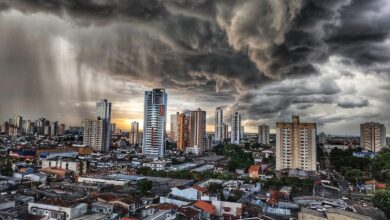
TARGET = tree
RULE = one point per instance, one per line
(354, 175)
(382, 201)
(5, 167)
(380, 166)
(215, 188)
(144, 186)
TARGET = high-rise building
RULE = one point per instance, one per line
(174, 134)
(61, 129)
(94, 134)
(134, 136)
(103, 111)
(18, 124)
(54, 128)
(197, 128)
(236, 128)
(296, 145)
(372, 136)
(155, 113)
(225, 131)
(242, 131)
(113, 128)
(263, 134)
(183, 132)
(18, 121)
(219, 124)
(29, 128)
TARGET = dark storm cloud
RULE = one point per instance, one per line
(244, 40)
(363, 27)
(353, 103)
(246, 50)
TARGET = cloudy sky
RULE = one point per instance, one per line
(327, 61)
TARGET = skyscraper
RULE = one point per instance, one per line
(54, 128)
(103, 111)
(236, 128)
(263, 134)
(372, 136)
(197, 128)
(94, 134)
(296, 145)
(18, 121)
(19, 124)
(173, 135)
(219, 124)
(183, 132)
(134, 136)
(61, 129)
(225, 132)
(155, 112)
(242, 131)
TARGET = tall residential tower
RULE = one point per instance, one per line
(263, 134)
(219, 124)
(296, 145)
(372, 136)
(236, 129)
(155, 113)
(103, 111)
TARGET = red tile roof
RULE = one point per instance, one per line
(205, 206)
(254, 168)
(200, 189)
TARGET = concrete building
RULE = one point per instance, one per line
(54, 128)
(183, 133)
(197, 128)
(94, 134)
(219, 124)
(263, 137)
(155, 113)
(103, 111)
(57, 209)
(236, 129)
(174, 133)
(296, 145)
(372, 136)
(225, 131)
(79, 167)
(61, 129)
(134, 133)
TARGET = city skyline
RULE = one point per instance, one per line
(59, 63)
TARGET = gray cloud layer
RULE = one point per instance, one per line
(265, 58)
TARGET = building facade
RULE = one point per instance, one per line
(372, 136)
(103, 111)
(94, 134)
(174, 133)
(236, 129)
(219, 124)
(183, 132)
(134, 133)
(155, 111)
(225, 131)
(197, 128)
(263, 137)
(296, 145)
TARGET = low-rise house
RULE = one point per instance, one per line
(102, 207)
(254, 171)
(57, 209)
(159, 211)
(208, 210)
(157, 165)
(189, 213)
(233, 210)
(130, 203)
